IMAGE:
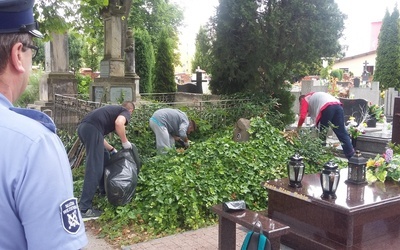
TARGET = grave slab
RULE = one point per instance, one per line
(373, 142)
(362, 216)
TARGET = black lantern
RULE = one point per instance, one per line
(329, 177)
(295, 168)
(357, 168)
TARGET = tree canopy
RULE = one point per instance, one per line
(202, 57)
(164, 81)
(261, 44)
(387, 70)
(84, 19)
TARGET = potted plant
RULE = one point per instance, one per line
(375, 113)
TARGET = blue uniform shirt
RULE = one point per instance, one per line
(37, 205)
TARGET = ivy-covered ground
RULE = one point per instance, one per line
(175, 191)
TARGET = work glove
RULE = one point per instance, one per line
(113, 151)
(127, 145)
(186, 144)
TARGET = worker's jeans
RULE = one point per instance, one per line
(93, 140)
(334, 114)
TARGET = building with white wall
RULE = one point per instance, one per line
(355, 64)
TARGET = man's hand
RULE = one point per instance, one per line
(127, 145)
(113, 151)
(183, 144)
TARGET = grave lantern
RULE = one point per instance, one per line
(295, 168)
(357, 168)
(329, 178)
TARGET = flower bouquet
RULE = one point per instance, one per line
(375, 111)
(354, 129)
(383, 167)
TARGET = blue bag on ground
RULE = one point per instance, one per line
(121, 176)
(256, 240)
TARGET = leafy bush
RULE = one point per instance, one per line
(337, 73)
(31, 93)
(83, 83)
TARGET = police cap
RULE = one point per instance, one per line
(16, 16)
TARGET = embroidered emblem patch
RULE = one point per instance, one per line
(70, 215)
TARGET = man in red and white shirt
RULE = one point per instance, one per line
(326, 111)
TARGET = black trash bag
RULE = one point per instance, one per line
(121, 176)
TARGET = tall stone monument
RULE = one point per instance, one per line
(57, 79)
(118, 81)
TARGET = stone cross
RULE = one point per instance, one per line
(365, 75)
(365, 65)
(199, 80)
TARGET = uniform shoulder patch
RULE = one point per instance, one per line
(70, 218)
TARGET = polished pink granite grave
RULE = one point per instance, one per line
(362, 216)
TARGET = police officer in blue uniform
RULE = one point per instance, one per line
(38, 209)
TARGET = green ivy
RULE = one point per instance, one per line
(175, 191)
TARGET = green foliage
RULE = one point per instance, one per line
(164, 80)
(337, 73)
(154, 16)
(145, 61)
(92, 52)
(175, 191)
(295, 33)
(388, 52)
(75, 47)
(281, 41)
(83, 83)
(52, 19)
(31, 93)
(203, 55)
(307, 145)
(235, 49)
(284, 105)
(39, 59)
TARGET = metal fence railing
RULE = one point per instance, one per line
(70, 109)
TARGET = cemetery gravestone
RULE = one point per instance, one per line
(356, 82)
(396, 122)
(240, 133)
(193, 88)
(57, 79)
(118, 78)
(355, 108)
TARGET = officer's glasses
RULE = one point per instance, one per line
(34, 49)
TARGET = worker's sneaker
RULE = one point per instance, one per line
(91, 214)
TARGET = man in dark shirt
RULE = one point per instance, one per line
(91, 131)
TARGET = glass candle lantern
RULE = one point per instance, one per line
(295, 168)
(329, 178)
(357, 168)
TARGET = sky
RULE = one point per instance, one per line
(357, 27)
(196, 13)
